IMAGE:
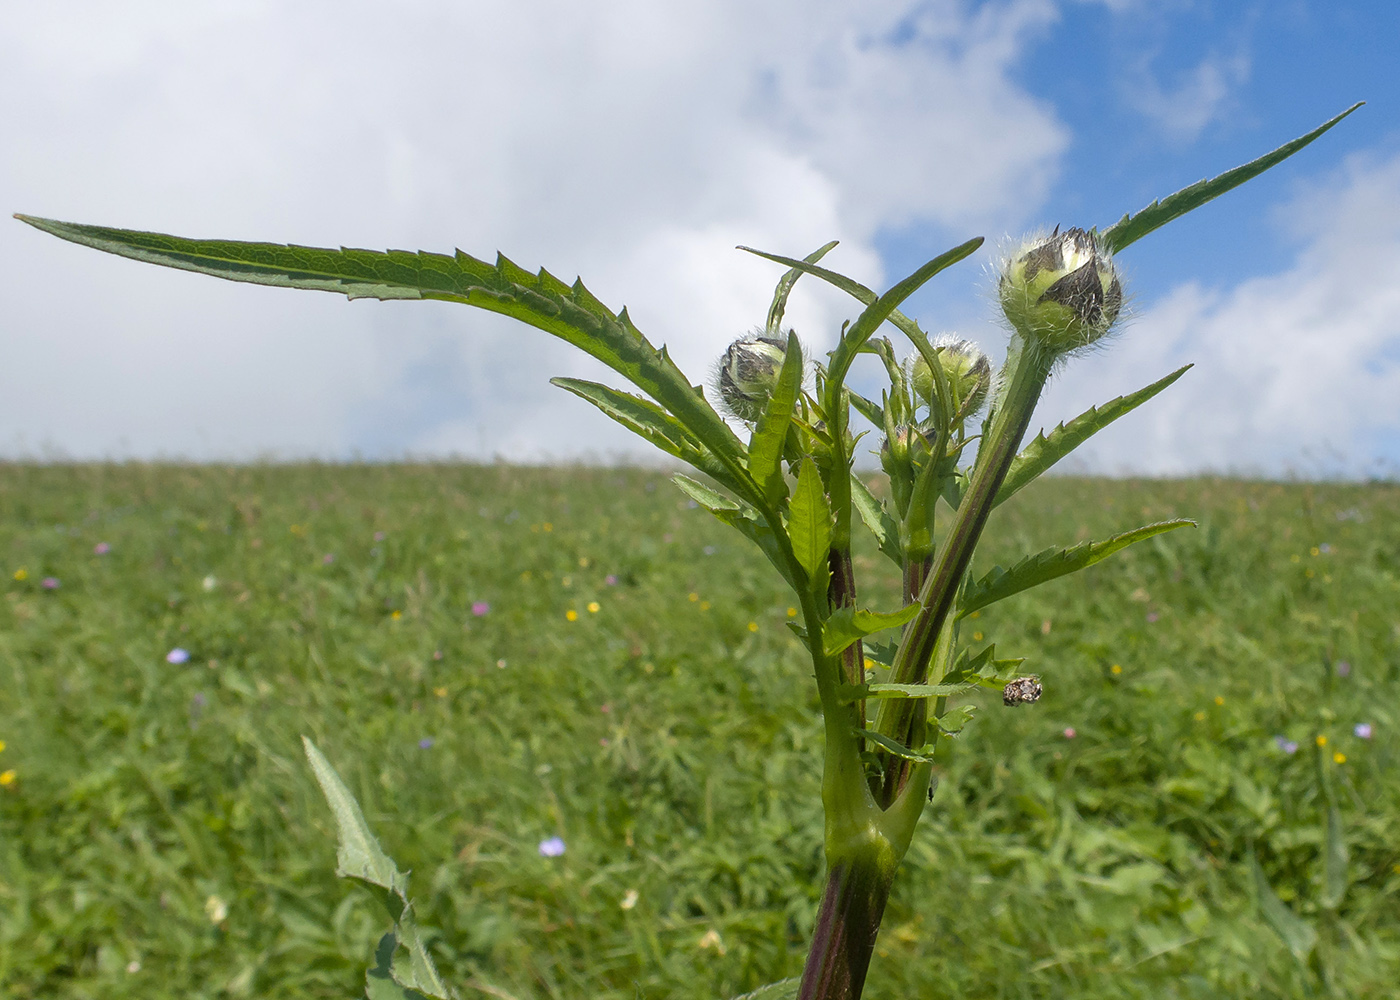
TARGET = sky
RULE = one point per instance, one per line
(635, 144)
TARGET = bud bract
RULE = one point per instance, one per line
(966, 368)
(1061, 291)
(748, 374)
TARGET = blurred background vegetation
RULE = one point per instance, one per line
(496, 656)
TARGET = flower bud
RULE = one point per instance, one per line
(1061, 291)
(967, 369)
(748, 374)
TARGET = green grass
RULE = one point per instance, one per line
(670, 738)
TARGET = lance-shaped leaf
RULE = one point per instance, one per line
(1034, 570)
(785, 283)
(1296, 933)
(884, 527)
(854, 692)
(847, 624)
(1132, 228)
(743, 519)
(359, 857)
(863, 295)
(569, 312)
(809, 526)
(766, 446)
(1047, 449)
(923, 755)
(645, 419)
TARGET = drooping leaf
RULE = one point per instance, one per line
(1296, 934)
(923, 755)
(647, 420)
(569, 312)
(1334, 861)
(780, 294)
(1054, 562)
(809, 525)
(847, 624)
(360, 858)
(876, 518)
(1046, 450)
(784, 990)
(743, 519)
(1132, 228)
(869, 409)
(766, 446)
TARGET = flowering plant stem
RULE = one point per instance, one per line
(790, 489)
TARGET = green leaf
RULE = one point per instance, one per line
(1334, 861)
(809, 525)
(379, 980)
(766, 446)
(360, 858)
(876, 518)
(1297, 935)
(784, 990)
(853, 692)
(645, 419)
(983, 668)
(785, 283)
(1045, 450)
(1132, 228)
(853, 288)
(923, 755)
(569, 312)
(711, 500)
(869, 409)
(1052, 563)
(955, 720)
(846, 625)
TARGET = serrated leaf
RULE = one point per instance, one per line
(1132, 228)
(645, 419)
(955, 720)
(846, 625)
(809, 525)
(1046, 450)
(766, 446)
(854, 692)
(1052, 563)
(784, 990)
(379, 979)
(740, 517)
(358, 854)
(924, 755)
(869, 409)
(413, 967)
(569, 312)
(1297, 935)
(1334, 861)
(785, 283)
(876, 518)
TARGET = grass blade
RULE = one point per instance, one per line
(1132, 228)
(1046, 450)
(1052, 563)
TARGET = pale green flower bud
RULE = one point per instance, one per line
(966, 368)
(1061, 291)
(748, 374)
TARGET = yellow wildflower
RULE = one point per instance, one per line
(593, 607)
(571, 615)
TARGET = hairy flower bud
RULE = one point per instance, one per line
(748, 373)
(967, 369)
(1061, 291)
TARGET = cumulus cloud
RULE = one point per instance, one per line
(632, 142)
(1295, 371)
(1194, 99)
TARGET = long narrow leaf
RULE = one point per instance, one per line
(809, 526)
(1297, 934)
(876, 518)
(1052, 563)
(1046, 450)
(923, 755)
(1132, 228)
(569, 312)
(785, 283)
(1334, 863)
(766, 446)
(851, 692)
(640, 416)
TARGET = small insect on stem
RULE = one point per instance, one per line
(1021, 691)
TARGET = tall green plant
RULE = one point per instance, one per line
(787, 483)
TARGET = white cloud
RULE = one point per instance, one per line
(1296, 371)
(1199, 96)
(633, 142)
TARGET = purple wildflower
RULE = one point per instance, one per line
(1343, 668)
(1069, 732)
(551, 848)
(1285, 744)
(610, 580)
(101, 549)
(177, 655)
(426, 743)
(1362, 730)
(50, 583)
(480, 608)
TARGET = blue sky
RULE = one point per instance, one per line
(636, 144)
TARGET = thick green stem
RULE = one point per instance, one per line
(844, 937)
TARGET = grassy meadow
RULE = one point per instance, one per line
(496, 656)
